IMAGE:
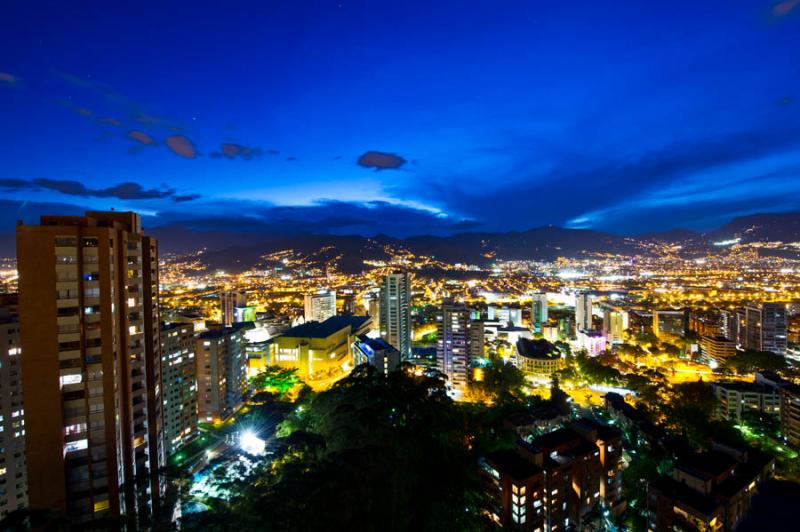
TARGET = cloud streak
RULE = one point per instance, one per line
(124, 191)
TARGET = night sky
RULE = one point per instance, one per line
(401, 117)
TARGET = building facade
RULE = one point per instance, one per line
(539, 312)
(452, 344)
(13, 472)
(717, 349)
(765, 327)
(179, 383)
(221, 372)
(89, 325)
(376, 352)
(229, 301)
(670, 323)
(320, 306)
(395, 312)
(583, 312)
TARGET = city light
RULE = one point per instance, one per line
(250, 443)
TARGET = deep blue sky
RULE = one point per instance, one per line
(625, 116)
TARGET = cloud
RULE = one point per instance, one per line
(108, 121)
(182, 146)
(381, 160)
(141, 137)
(9, 80)
(781, 9)
(230, 150)
(123, 191)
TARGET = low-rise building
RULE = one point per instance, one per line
(717, 349)
(737, 398)
(790, 413)
(538, 359)
(707, 491)
(376, 352)
(594, 342)
(319, 350)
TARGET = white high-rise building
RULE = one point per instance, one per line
(452, 347)
(583, 312)
(320, 306)
(395, 312)
(765, 327)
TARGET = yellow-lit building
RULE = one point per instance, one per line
(319, 350)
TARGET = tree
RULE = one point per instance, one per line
(276, 379)
(749, 361)
(371, 453)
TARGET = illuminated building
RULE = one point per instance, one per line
(89, 325)
(729, 324)
(320, 306)
(615, 323)
(13, 473)
(737, 398)
(374, 311)
(538, 311)
(583, 312)
(670, 323)
(609, 441)
(452, 344)
(592, 341)
(179, 384)
(319, 350)
(228, 302)
(717, 349)
(395, 312)
(221, 370)
(790, 413)
(476, 343)
(375, 352)
(573, 475)
(708, 491)
(765, 327)
(515, 486)
(505, 315)
(538, 359)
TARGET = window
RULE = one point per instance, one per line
(77, 445)
(71, 379)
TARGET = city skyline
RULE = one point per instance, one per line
(353, 118)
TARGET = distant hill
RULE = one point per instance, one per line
(243, 250)
(783, 227)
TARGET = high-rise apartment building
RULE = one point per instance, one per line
(89, 326)
(583, 312)
(615, 323)
(179, 383)
(395, 312)
(507, 316)
(765, 327)
(538, 311)
(221, 371)
(13, 474)
(670, 322)
(320, 306)
(229, 301)
(452, 345)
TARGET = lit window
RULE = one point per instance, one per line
(77, 445)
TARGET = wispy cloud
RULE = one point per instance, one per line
(123, 191)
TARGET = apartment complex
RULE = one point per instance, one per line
(221, 371)
(179, 383)
(89, 322)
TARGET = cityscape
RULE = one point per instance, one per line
(578, 314)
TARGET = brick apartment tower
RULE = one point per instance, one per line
(89, 326)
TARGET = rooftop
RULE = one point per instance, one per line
(329, 327)
(511, 463)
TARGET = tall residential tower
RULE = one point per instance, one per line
(89, 325)
(395, 312)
